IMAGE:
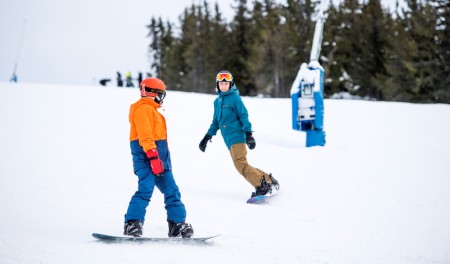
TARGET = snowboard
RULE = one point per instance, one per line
(108, 238)
(260, 199)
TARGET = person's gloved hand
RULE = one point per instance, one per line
(155, 162)
(204, 141)
(250, 140)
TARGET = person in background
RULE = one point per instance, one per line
(13, 78)
(231, 117)
(119, 79)
(152, 164)
(128, 80)
(139, 78)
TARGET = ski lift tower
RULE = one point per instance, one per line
(307, 90)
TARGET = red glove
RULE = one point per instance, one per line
(155, 163)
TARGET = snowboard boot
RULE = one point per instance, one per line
(275, 184)
(265, 188)
(182, 229)
(133, 228)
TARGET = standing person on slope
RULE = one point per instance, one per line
(151, 163)
(231, 117)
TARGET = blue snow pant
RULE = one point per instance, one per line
(176, 211)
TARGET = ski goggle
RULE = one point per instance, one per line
(161, 94)
(224, 77)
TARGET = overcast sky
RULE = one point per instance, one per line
(57, 41)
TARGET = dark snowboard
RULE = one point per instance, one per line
(108, 238)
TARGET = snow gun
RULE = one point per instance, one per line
(308, 89)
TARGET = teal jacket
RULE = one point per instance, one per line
(231, 117)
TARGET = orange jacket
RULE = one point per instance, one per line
(147, 124)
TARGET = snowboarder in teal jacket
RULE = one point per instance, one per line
(231, 117)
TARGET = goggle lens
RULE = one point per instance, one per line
(224, 76)
(161, 93)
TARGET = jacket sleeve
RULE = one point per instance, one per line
(242, 114)
(215, 122)
(143, 118)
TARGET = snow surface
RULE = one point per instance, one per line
(378, 192)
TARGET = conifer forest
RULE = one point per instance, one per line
(367, 50)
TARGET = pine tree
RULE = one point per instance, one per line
(332, 37)
(442, 91)
(204, 45)
(240, 28)
(348, 52)
(165, 53)
(265, 60)
(154, 48)
(399, 82)
(297, 33)
(221, 53)
(192, 52)
(424, 33)
(375, 27)
(280, 43)
(204, 72)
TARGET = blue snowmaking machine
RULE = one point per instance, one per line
(307, 91)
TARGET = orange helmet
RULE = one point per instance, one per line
(153, 87)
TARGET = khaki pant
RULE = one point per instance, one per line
(251, 174)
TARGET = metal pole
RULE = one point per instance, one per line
(318, 32)
(14, 76)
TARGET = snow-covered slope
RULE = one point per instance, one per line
(377, 192)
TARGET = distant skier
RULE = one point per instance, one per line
(119, 79)
(231, 117)
(139, 78)
(152, 164)
(13, 78)
(128, 80)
